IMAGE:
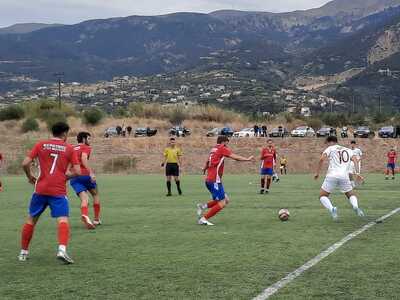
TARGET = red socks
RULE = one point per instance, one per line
(84, 211)
(213, 211)
(211, 203)
(63, 233)
(26, 235)
(262, 183)
(96, 208)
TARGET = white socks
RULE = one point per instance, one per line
(62, 248)
(326, 202)
(354, 202)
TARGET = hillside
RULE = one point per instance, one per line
(25, 28)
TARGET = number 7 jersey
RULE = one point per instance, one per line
(339, 158)
(54, 156)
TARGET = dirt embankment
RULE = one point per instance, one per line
(302, 153)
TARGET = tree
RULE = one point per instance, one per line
(93, 116)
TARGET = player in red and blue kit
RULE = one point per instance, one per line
(55, 158)
(268, 159)
(86, 183)
(391, 165)
(215, 170)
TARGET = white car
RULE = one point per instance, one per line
(302, 131)
(247, 132)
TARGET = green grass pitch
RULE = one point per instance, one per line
(151, 248)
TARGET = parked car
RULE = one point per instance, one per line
(279, 131)
(179, 131)
(145, 132)
(303, 131)
(227, 131)
(363, 132)
(326, 131)
(246, 132)
(388, 132)
(111, 131)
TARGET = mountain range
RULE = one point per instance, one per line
(335, 38)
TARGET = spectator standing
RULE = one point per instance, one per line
(264, 131)
(256, 130)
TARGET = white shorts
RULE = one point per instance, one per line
(331, 183)
(353, 167)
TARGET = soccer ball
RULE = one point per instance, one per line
(283, 214)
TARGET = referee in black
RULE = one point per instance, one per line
(172, 162)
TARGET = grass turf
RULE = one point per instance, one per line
(151, 248)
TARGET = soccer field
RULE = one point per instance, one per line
(151, 248)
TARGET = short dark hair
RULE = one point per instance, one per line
(82, 136)
(222, 138)
(353, 142)
(269, 140)
(331, 139)
(59, 128)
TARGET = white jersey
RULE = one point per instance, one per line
(357, 153)
(339, 158)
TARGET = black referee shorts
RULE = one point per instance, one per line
(172, 169)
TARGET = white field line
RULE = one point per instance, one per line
(268, 292)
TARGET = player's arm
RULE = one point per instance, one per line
(206, 166)
(85, 163)
(165, 159)
(323, 157)
(180, 154)
(26, 165)
(240, 158)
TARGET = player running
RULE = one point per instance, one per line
(268, 159)
(172, 162)
(391, 165)
(55, 157)
(283, 162)
(358, 154)
(339, 159)
(86, 183)
(215, 169)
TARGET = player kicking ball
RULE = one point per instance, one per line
(339, 159)
(86, 183)
(215, 169)
(55, 158)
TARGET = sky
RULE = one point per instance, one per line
(75, 11)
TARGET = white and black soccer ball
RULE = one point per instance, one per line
(283, 214)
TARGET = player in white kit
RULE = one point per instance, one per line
(358, 154)
(339, 159)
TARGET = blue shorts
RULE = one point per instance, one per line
(59, 206)
(391, 166)
(82, 184)
(267, 171)
(217, 190)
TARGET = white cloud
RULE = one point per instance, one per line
(73, 11)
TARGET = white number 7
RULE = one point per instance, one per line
(54, 162)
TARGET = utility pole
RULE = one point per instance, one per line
(380, 104)
(59, 77)
(354, 105)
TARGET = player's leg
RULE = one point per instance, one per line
(221, 200)
(269, 181)
(387, 172)
(169, 193)
(60, 211)
(84, 196)
(178, 183)
(96, 205)
(263, 181)
(37, 206)
(327, 188)
(354, 203)
(393, 168)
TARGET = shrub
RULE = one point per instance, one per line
(121, 112)
(177, 116)
(12, 112)
(335, 119)
(314, 123)
(54, 117)
(43, 108)
(120, 164)
(30, 124)
(14, 167)
(93, 116)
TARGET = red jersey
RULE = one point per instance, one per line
(392, 156)
(268, 158)
(215, 168)
(79, 149)
(54, 157)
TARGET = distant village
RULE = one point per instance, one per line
(184, 88)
